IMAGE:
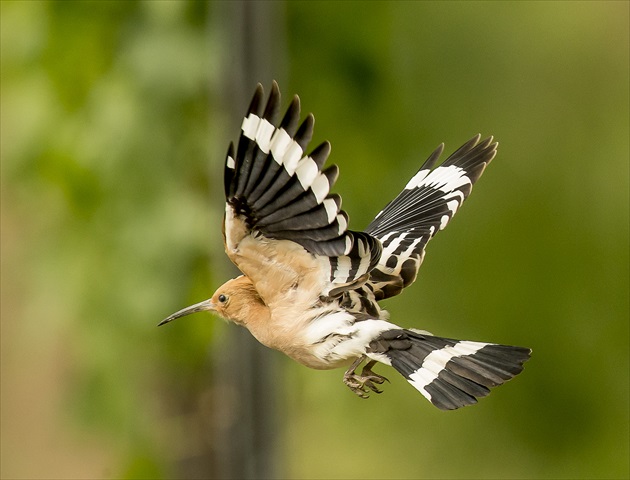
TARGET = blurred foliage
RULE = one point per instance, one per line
(112, 142)
(105, 140)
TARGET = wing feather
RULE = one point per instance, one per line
(281, 219)
(424, 207)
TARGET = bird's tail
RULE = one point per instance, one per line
(449, 373)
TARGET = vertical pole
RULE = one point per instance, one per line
(247, 422)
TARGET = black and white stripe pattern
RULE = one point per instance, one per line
(284, 194)
(424, 207)
(361, 302)
(449, 373)
(277, 194)
(352, 270)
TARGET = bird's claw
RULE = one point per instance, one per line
(362, 384)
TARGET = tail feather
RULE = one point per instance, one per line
(447, 396)
(449, 373)
(467, 369)
(465, 385)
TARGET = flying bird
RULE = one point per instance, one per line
(310, 286)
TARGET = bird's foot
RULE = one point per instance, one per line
(362, 384)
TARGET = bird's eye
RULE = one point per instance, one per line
(222, 298)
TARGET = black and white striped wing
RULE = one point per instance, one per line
(424, 207)
(278, 199)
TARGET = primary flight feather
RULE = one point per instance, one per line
(310, 286)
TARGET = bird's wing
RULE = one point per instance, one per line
(282, 225)
(424, 207)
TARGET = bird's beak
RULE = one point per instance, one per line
(197, 307)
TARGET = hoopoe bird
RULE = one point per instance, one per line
(310, 286)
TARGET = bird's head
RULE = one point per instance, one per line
(236, 300)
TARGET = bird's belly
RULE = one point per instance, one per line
(312, 356)
(307, 358)
(333, 340)
(308, 336)
(319, 338)
(302, 352)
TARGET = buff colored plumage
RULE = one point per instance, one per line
(310, 286)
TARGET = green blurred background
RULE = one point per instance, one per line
(114, 125)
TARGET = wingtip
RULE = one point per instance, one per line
(486, 142)
(320, 154)
(473, 142)
(273, 103)
(275, 90)
(305, 132)
(430, 162)
(296, 105)
(331, 173)
(490, 146)
(292, 116)
(254, 105)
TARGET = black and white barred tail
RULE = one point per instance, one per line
(449, 373)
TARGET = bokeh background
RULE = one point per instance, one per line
(115, 119)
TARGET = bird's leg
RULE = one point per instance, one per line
(349, 377)
(374, 377)
(362, 384)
